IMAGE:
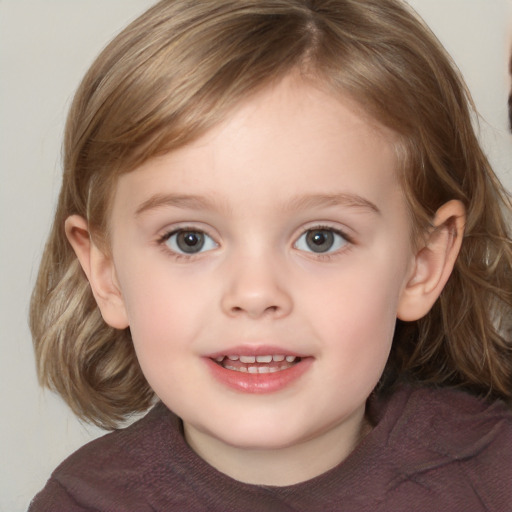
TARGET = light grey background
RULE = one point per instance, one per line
(45, 47)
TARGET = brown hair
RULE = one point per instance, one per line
(510, 95)
(175, 72)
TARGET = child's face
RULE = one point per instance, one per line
(282, 232)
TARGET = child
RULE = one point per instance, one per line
(276, 227)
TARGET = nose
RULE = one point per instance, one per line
(255, 288)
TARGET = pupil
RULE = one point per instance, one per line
(320, 241)
(190, 241)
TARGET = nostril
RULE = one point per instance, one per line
(260, 299)
(236, 310)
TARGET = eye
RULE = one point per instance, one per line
(186, 241)
(321, 240)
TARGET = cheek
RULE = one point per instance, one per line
(159, 315)
(163, 326)
(357, 314)
(360, 335)
(167, 310)
(363, 320)
(366, 290)
(148, 297)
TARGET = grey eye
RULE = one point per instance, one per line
(320, 241)
(190, 242)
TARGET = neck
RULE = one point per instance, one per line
(281, 466)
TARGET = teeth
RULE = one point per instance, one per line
(242, 369)
(277, 358)
(263, 359)
(256, 369)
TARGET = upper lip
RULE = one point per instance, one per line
(255, 350)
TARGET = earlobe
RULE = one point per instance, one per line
(433, 262)
(100, 271)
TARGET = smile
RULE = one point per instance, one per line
(257, 364)
(260, 372)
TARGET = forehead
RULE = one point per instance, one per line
(291, 136)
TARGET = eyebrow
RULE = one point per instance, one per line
(192, 202)
(325, 200)
(306, 201)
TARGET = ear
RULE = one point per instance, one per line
(433, 263)
(100, 271)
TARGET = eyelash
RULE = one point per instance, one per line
(162, 241)
(326, 256)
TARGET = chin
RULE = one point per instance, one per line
(262, 436)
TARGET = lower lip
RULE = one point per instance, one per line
(258, 382)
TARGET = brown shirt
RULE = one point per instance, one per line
(431, 450)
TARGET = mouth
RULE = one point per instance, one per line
(260, 364)
(259, 370)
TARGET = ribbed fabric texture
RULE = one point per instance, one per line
(431, 450)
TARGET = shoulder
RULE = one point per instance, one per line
(454, 421)
(113, 471)
(451, 442)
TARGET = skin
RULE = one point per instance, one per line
(287, 161)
